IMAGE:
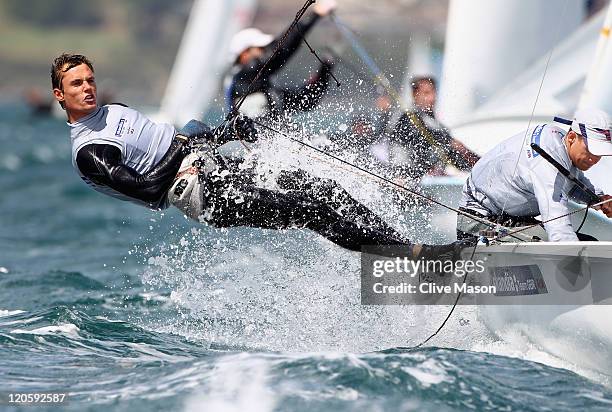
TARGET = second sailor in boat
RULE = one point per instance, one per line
(512, 184)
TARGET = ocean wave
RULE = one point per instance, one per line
(68, 329)
(54, 278)
(4, 312)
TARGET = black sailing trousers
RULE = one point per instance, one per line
(304, 201)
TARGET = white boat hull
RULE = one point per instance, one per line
(568, 314)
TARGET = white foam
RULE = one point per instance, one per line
(522, 342)
(4, 312)
(294, 290)
(148, 353)
(428, 373)
(154, 297)
(68, 329)
(237, 383)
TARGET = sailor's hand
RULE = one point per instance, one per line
(194, 135)
(244, 128)
(606, 207)
(324, 7)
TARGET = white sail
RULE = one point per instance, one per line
(488, 43)
(597, 90)
(202, 57)
(509, 110)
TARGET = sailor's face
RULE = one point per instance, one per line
(425, 96)
(251, 54)
(579, 152)
(78, 92)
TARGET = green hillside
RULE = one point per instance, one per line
(133, 43)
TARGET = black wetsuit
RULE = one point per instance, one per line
(305, 201)
(233, 200)
(280, 100)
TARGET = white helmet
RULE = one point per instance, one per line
(246, 39)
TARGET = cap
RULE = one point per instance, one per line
(594, 125)
(248, 38)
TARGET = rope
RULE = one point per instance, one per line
(313, 51)
(535, 103)
(382, 178)
(603, 202)
(447, 316)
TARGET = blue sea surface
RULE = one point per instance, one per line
(127, 309)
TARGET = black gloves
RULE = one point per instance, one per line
(195, 133)
(239, 128)
(451, 251)
(244, 128)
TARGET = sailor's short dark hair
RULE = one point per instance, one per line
(63, 63)
(418, 81)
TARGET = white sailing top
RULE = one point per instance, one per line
(142, 142)
(530, 187)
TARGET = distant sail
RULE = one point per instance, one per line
(489, 43)
(202, 57)
(597, 90)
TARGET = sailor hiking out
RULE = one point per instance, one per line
(513, 183)
(121, 153)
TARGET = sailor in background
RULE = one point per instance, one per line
(512, 184)
(250, 49)
(420, 143)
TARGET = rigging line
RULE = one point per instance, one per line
(234, 110)
(550, 220)
(535, 103)
(584, 218)
(331, 73)
(328, 162)
(449, 313)
(379, 77)
(389, 181)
